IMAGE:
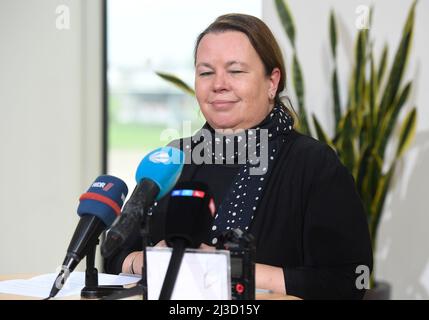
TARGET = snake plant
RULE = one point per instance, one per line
(366, 124)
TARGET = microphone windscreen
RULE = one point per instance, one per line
(104, 199)
(190, 213)
(163, 166)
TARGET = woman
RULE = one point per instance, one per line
(303, 210)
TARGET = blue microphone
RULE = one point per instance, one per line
(98, 208)
(156, 175)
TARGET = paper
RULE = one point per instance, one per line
(203, 275)
(40, 286)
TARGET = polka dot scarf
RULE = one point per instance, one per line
(241, 201)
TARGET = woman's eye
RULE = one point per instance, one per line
(207, 73)
(236, 71)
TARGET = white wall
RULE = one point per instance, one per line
(402, 257)
(50, 127)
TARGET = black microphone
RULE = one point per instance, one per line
(188, 221)
(98, 208)
(156, 175)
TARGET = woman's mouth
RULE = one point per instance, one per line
(222, 104)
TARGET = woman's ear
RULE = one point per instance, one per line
(274, 80)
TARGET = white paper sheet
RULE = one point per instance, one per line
(203, 275)
(40, 286)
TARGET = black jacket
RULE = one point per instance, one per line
(310, 222)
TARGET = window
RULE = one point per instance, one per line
(145, 111)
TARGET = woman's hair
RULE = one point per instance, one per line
(261, 38)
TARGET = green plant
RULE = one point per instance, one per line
(365, 126)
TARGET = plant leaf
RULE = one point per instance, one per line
(345, 145)
(383, 63)
(298, 83)
(379, 200)
(336, 98)
(333, 34)
(390, 120)
(372, 176)
(369, 176)
(373, 88)
(407, 132)
(335, 86)
(286, 19)
(399, 64)
(177, 82)
(371, 10)
(359, 73)
(362, 171)
(321, 134)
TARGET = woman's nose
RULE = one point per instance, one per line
(220, 82)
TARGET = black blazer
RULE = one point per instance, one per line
(310, 222)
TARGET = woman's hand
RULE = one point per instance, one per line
(269, 278)
(206, 247)
(133, 263)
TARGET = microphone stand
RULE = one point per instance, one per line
(145, 237)
(179, 246)
(141, 207)
(141, 286)
(92, 290)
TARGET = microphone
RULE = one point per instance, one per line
(97, 209)
(156, 175)
(189, 218)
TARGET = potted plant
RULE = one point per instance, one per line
(365, 125)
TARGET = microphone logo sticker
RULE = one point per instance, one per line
(160, 157)
(98, 184)
(103, 185)
(108, 187)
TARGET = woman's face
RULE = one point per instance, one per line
(230, 82)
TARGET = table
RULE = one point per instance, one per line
(5, 296)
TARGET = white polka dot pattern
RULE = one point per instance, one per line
(239, 206)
